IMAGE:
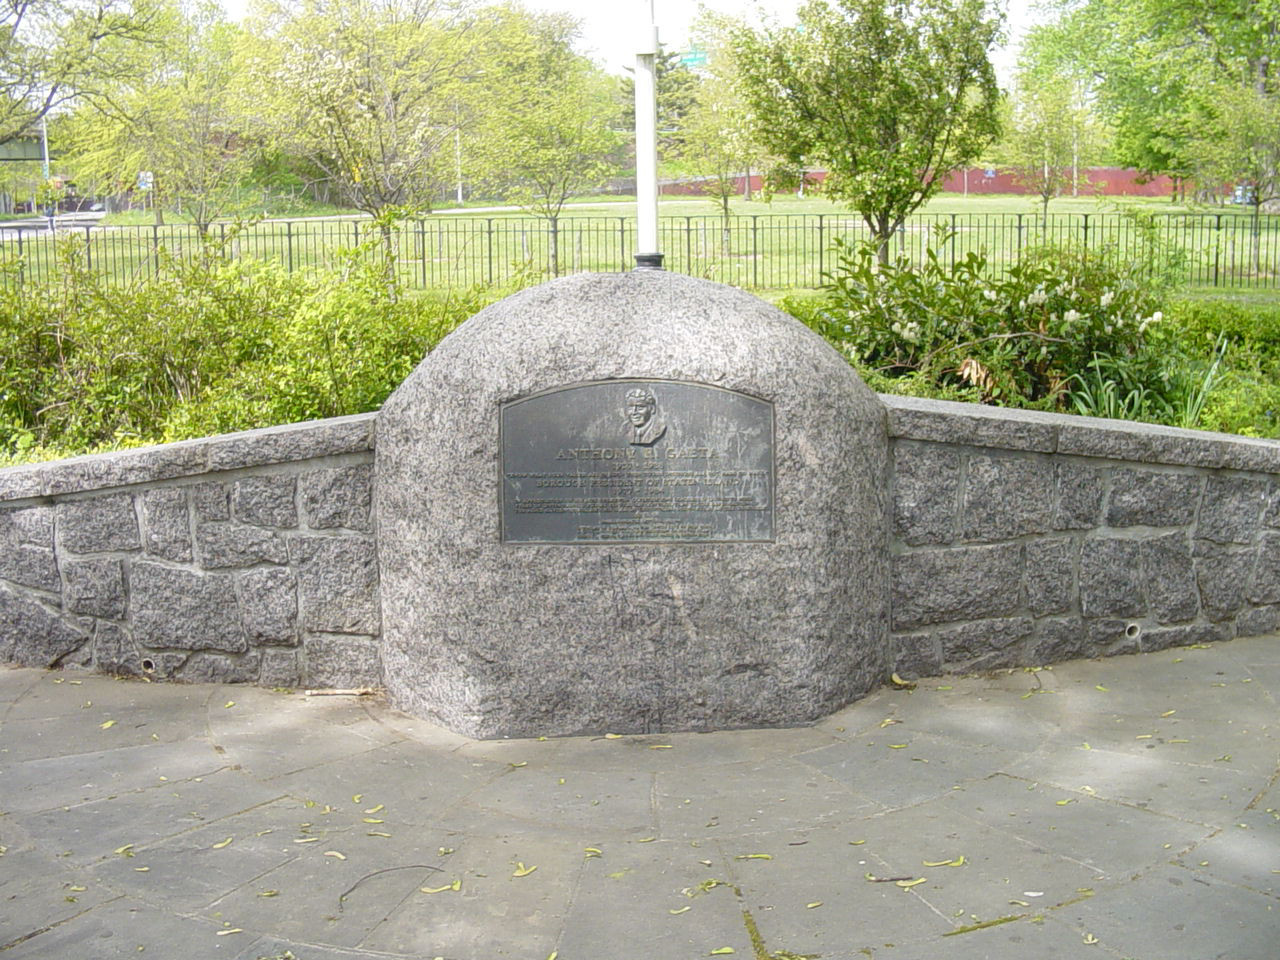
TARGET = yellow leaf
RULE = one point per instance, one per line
(911, 883)
(899, 682)
(721, 951)
(1168, 713)
(1063, 803)
(676, 913)
(223, 933)
(613, 736)
(455, 885)
(659, 746)
(1020, 903)
(1102, 688)
(268, 893)
(810, 906)
(591, 852)
(1090, 939)
(308, 840)
(1179, 741)
(646, 840)
(107, 725)
(517, 766)
(228, 705)
(888, 720)
(223, 843)
(856, 843)
(335, 854)
(553, 954)
(1143, 736)
(754, 856)
(376, 809)
(77, 889)
(445, 851)
(373, 820)
(141, 869)
(357, 797)
(1085, 746)
(125, 851)
(955, 862)
(522, 870)
(897, 746)
(377, 833)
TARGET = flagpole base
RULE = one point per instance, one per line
(648, 261)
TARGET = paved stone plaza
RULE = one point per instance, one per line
(1118, 808)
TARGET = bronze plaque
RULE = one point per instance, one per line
(637, 461)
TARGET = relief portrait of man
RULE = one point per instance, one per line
(647, 427)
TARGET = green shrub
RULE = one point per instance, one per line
(213, 345)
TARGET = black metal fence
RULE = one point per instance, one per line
(760, 252)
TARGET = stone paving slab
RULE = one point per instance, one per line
(1125, 808)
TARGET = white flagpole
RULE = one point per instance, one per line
(647, 252)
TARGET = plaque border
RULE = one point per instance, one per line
(773, 466)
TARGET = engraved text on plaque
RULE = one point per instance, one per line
(637, 461)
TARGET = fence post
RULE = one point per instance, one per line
(953, 241)
(155, 250)
(22, 265)
(488, 229)
(1217, 247)
(622, 242)
(822, 249)
(288, 239)
(1086, 231)
(1018, 258)
(755, 251)
(688, 245)
(88, 250)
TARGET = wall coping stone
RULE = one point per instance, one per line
(286, 443)
(909, 418)
(945, 421)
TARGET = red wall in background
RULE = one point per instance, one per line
(1094, 181)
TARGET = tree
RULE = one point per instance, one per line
(368, 93)
(719, 138)
(177, 118)
(1049, 128)
(544, 132)
(53, 51)
(888, 95)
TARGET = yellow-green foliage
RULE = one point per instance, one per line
(214, 345)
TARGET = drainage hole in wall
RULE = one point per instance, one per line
(1132, 630)
(149, 666)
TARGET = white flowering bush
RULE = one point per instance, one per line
(1016, 338)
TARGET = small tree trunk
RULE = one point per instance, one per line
(553, 245)
(724, 223)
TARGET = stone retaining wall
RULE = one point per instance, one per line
(1018, 538)
(1023, 538)
(246, 557)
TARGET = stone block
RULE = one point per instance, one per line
(337, 584)
(166, 524)
(1162, 638)
(1111, 578)
(30, 566)
(269, 605)
(926, 485)
(341, 497)
(1223, 577)
(1153, 499)
(916, 655)
(1256, 621)
(959, 583)
(1079, 490)
(293, 441)
(120, 468)
(279, 668)
(99, 524)
(211, 500)
(1170, 578)
(18, 483)
(27, 525)
(1264, 586)
(266, 501)
(1058, 639)
(220, 668)
(1143, 442)
(114, 651)
(338, 662)
(32, 635)
(95, 587)
(984, 644)
(1051, 575)
(186, 610)
(229, 544)
(1231, 508)
(1007, 497)
(916, 418)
